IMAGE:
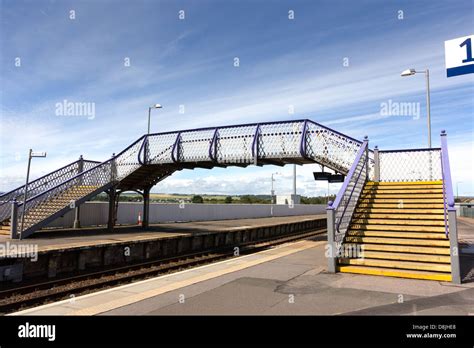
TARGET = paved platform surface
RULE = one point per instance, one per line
(76, 238)
(287, 280)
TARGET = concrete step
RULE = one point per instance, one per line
(397, 215)
(387, 272)
(406, 257)
(401, 211)
(400, 205)
(418, 192)
(404, 228)
(403, 187)
(398, 241)
(406, 249)
(404, 222)
(404, 201)
(397, 264)
(416, 235)
(401, 195)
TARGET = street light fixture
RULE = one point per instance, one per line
(156, 106)
(412, 71)
(31, 154)
(273, 191)
(457, 188)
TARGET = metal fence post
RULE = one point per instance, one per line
(376, 164)
(14, 220)
(331, 252)
(454, 246)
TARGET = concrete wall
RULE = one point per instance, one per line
(95, 213)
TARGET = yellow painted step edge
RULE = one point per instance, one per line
(394, 273)
(409, 265)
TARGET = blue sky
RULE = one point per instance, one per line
(190, 62)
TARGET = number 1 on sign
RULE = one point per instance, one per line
(467, 43)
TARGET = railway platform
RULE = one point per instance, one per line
(290, 279)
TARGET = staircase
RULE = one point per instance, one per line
(400, 228)
(51, 207)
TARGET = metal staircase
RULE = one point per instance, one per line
(154, 157)
(398, 220)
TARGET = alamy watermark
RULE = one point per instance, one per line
(393, 108)
(69, 108)
(28, 251)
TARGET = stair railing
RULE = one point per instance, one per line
(339, 212)
(41, 184)
(100, 175)
(449, 209)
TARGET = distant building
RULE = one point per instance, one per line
(287, 199)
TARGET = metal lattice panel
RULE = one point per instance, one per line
(194, 146)
(234, 144)
(159, 148)
(410, 165)
(280, 140)
(331, 148)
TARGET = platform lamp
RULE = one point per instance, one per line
(410, 72)
(156, 106)
(31, 155)
(273, 191)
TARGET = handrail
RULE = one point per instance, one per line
(343, 188)
(261, 124)
(411, 150)
(350, 195)
(448, 196)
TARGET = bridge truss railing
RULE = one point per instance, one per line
(296, 141)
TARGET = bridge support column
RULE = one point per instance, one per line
(146, 207)
(331, 252)
(112, 212)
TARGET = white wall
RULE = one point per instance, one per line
(95, 213)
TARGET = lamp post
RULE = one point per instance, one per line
(410, 72)
(457, 188)
(156, 106)
(31, 154)
(273, 191)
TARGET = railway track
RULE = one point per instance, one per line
(36, 294)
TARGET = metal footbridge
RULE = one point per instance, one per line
(153, 157)
(397, 204)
